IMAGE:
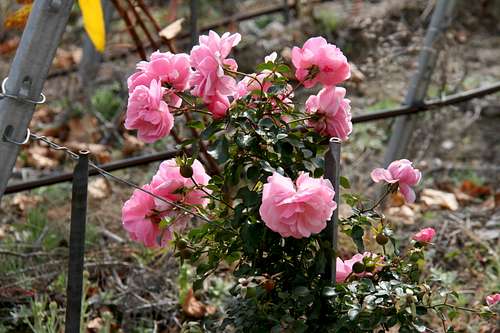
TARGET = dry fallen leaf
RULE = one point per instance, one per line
(131, 144)
(10, 45)
(98, 151)
(84, 129)
(475, 190)
(403, 214)
(192, 307)
(41, 157)
(172, 30)
(95, 324)
(24, 202)
(99, 188)
(432, 197)
(396, 200)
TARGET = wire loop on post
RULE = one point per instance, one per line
(19, 98)
(6, 136)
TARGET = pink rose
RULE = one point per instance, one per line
(142, 220)
(148, 113)
(344, 268)
(318, 61)
(169, 183)
(333, 112)
(491, 300)
(401, 172)
(142, 214)
(425, 235)
(209, 61)
(218, 106)
(299, 209)
(172, 69)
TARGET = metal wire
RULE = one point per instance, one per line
(3, 94)
(74, 156)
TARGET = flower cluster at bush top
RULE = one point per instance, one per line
(208, 73)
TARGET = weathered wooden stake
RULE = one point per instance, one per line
(27, 74)
(404, 126)
(77, 243)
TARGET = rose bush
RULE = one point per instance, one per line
(266, 212)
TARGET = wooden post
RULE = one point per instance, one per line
(403, 126)
(27, 74)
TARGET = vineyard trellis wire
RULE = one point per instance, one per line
(28, 85)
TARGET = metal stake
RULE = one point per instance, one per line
(403, 126)
(77, 243)
(27, 74)
(332, 172)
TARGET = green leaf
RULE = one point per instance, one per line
(220, 151)
(282, 68)
(353, 313)
(213, 128)
(357, 236)
(329, 292)
(249, 198)
(301, 291)
(344, 182)
(195, 124)
(265, 66)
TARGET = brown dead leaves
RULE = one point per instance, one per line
(194, 308)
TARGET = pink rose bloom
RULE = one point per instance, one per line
(142, 220)
(166, 67)
(333, 112)
(148, 113)
(168, 183)
(492, 299)
(344, 268)
(299, 209)
(209, 60)
(425, 235)
(318, 61)
(401, 172)
(218, 105)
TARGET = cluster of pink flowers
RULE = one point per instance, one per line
(153, 92)
(320, 62)
(209, 59)
(156, 86)
(402, 173)
(299, 209)
(344, 268)
(142, 214)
